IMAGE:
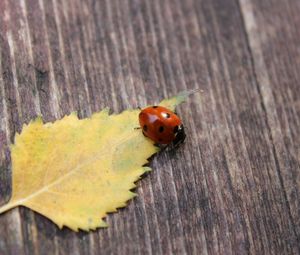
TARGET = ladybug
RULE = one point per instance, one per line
(161, 125)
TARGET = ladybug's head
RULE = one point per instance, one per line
(179, 136)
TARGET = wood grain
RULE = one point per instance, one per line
(233, 187)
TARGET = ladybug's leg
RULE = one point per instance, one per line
(161, 146)
(137, 128)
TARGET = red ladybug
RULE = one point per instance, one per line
(161, 125)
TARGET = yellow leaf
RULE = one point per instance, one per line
(171, 103)
(75, 171)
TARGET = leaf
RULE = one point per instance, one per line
(75, 171)
(171, 103)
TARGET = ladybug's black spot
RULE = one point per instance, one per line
(145, 128)
(175, 129)
(161, 129)
(154, 106)
(166, 115)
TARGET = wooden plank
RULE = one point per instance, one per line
(233, 187)
(276, 62)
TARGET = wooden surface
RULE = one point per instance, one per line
(233, 187)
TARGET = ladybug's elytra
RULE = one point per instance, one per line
(161, 125)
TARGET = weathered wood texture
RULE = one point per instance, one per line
(233, 187)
